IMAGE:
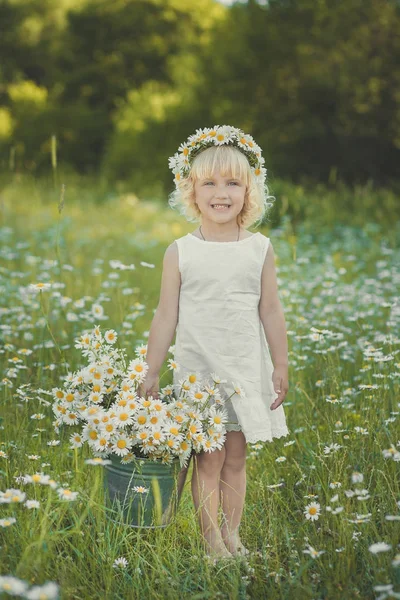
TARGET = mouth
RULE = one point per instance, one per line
(221, 207)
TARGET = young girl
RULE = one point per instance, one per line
(219, 293)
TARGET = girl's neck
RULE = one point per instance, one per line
(220, 234)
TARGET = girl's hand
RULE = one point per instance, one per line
(149, 387)
(280, 380)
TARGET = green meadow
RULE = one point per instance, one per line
(322, 512)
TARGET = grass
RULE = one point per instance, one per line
(339, 467)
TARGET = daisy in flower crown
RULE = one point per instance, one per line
(232, 152)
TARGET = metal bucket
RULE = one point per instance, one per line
(151, 509)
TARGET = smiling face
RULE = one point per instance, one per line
(216, 191)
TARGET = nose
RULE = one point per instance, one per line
(221, 193)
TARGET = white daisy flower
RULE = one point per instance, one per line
(97, 310)
(379, 547)
(217, 417)
(12, 585)
(39, 287)
(224, 135)
(70, 418)
(123, 416)
(7, 522)
(173, 161)
(66, 494)
(140, 489)
(102, 443)
(32, 504)
(184, 149)
(48, 591)
(239, 390)
(120, 563)
(313, 553)
(209, 444)
(12, 496)
(122, 444)
(98, 461)
(110, 336)
(96, 333)
(312, 511)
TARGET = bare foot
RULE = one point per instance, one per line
(235, 546)
(216, 549)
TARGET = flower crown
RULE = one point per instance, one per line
(180, 163)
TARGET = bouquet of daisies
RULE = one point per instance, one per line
(100, 402)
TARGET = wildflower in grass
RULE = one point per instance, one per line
(280, 459)
(32, 504)
(65, 494)
(335, 484)
(97, 310)
(391, 453)
(334, 511)
(349, 493)
(7, 521)
(48, 591)
(332, 448)
(38, 416)
(312, 552)
(362, 494)
(53, 443)
(312, 511)
(98, 461)
(357, 477)
(12, 585)
(392, 517)
(140, 489)
(33, 457)
(39, 287)
(110, 336)
(76, 440)
(361, 518)
(37, 478)
(379, 547)
(361, 430)
(120, 563)
(12, 496)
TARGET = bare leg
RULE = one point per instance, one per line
(205, 491)
(233, 490)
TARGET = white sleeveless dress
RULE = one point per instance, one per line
(220, 331)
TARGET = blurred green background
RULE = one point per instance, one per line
(119, 85)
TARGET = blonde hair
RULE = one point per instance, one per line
(229, 161)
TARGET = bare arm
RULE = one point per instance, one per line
(271, 312)
(165, 318)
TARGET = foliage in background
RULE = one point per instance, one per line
(121, 84)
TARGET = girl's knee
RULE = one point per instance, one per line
(210, 462)
(235, 463)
